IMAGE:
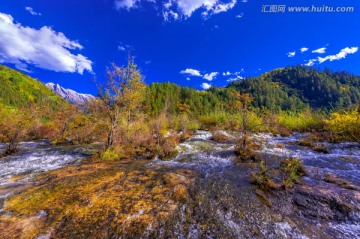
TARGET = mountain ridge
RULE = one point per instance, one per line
(69, 94)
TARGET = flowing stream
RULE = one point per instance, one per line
(17, 172)
(326, 204)
(236, 209)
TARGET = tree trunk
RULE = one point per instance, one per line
(110, 138)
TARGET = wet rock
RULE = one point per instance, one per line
(322, 204)
(18, 227)
(349, 159)
(263, 198)
(321, 149)
(306, 143)
(109, 199)
(334, 179)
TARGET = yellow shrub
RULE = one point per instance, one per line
(183, 123)
(345, 125)
(112, 154)
(213, 120)
(303, 121)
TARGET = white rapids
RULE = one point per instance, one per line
(37, 157)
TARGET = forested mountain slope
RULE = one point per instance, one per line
(19, 90)
(290, 87)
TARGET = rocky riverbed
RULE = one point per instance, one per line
(203, 192)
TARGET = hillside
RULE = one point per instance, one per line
(291, 88)
(19, 90)
(176, 99)
(294, 87)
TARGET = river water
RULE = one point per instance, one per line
(36, 157)
(230, 207)
(224, 202)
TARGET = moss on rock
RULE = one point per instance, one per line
(99, 200)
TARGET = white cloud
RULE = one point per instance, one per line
(210, 7)
(234, 75)
(291, 54)
(124, 47)
(320, 50)
(174, 9)
(311, 62)
(235, 79)
(43, 48)
(237, 75)
(32, 12)
(127, 4)
(342, 54)
(168, 4)
(205, 86)
(222, 7)
(170, 15)
(5, 18)
(188, 7)
(304, 49)
(210, 76)
(213, 75)
(191, 72)
(240, 15)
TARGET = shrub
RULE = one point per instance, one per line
(305, 121)
(219, 136)
(262, 178)
(112, 154)
(232, 122)
(81, 129)
(345, 125)
(208, 122)
(167, 148)
(183, 122)
(14, 125)
(256, 123)
(291, 169)
(284, 131)
(185, 135)
(245, 148)
(193, 124)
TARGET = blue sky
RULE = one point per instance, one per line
(196, 43)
